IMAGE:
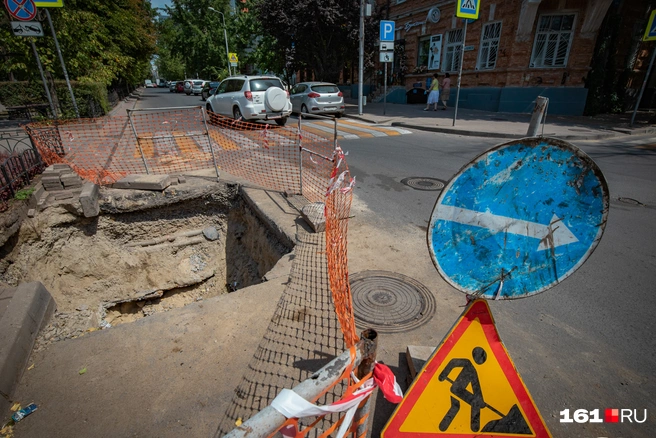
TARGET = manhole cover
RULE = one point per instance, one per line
(390, 302)
(421, 183)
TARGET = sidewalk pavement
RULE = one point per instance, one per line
(500, 125)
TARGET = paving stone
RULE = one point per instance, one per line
(30, 308)
(39, 190)
(89, 199)
(143, 182)
(314, 216)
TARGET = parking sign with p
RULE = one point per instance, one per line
(386, 30)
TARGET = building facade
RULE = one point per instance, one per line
(515, 51)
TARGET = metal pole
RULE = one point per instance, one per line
(225, 36)
(268, 420)
(361, 58)
(644, 84)
(61, 60)
(134, 130)
(209, 142)
(300, 153)
(385, 92)
(462, 58)
(43, 78)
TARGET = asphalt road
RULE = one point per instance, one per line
(588, 342)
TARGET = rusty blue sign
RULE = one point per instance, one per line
(518, 219)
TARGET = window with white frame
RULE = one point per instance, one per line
(553, 40)
(452, 50)
(487, 55)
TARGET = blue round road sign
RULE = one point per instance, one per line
(23, 10)
(518, 219)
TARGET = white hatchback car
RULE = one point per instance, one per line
(251, 98)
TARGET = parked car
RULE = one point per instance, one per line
(148, 83)
(208, 89)
(172, 85)
(317, 98)
(197, 86)
(188, 84)
(251, 98)
(179, 87)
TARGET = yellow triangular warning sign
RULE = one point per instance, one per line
(469, 387)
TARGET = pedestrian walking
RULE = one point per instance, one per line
(433, 93)
(445, 90)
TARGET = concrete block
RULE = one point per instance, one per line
(182, 179)
(39, 190)
(143, 182)
(50, 179)
(314, 216)
(30, 308)
(417, 357)
(31, 212)
(60, 166)
(89, 199)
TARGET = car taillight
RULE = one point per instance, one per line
(340, 94)
(313, 95)
(248, 95)
(287, 93)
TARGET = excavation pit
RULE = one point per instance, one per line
(117, 268)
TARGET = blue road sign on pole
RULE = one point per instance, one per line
(650, 32)
(386, 30)
(468, 9)
(518, 219)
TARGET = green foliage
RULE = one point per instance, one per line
(24, 194)
(101, 41)
(91, 97)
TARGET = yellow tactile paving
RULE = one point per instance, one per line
(225, 142)
(147, 145)
(186, 145)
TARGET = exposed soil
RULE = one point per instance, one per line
(117, 268)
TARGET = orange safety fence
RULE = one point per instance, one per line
(178, 140)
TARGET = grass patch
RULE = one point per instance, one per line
(24, 193)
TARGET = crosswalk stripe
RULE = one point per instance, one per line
(318, 127)
(376, 131)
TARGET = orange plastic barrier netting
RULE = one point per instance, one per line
(179, 140)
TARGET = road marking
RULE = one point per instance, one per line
(351, 129)
(550, 236)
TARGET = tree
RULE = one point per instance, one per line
(101, 41)
(318, 35)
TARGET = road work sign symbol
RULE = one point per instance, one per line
(468, 388)
(518, 219)
(650, 32)
(23, 10)
(468, 9)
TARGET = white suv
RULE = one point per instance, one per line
(251, 98)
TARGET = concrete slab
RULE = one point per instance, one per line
(29, 308)
(89, 199)
(143, 182)
(417, 357)
(314, 216)
(169, 375)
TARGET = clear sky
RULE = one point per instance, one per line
(160, 3)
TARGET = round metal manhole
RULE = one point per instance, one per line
(390, 302)
(423, 183)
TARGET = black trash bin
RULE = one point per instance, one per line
(416, 95)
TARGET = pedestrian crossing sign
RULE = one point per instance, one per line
(650, 32)
(468, 388)
(468, 8)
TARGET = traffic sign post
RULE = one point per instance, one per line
(386, 30)
(49, 3)
(386, 53)
(27, 28)
(468, 9)
(650, 35)
(469, 387)
(234, 61)
(22, 10)
(518, 219)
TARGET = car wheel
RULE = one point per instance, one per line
(281, 121)
(209, 108)
(304, 110)
(338, 115)
(236, 113)
(275, 98)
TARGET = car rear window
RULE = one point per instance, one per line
(198, 82)
(265, 84)
(325, 88)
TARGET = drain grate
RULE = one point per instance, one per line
(423, 183)
(390, 302)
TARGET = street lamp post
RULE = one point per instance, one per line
(225, 35)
